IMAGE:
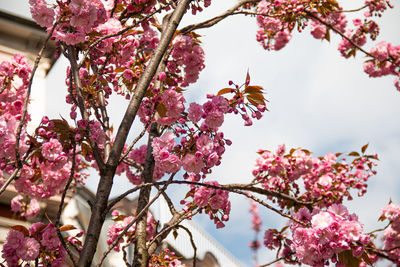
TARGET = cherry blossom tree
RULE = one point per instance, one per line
(138, 50)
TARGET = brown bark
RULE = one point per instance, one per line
(141, 256)
(107, 173)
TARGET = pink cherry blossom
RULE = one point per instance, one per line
(42, 14)
(52, 149)
(29, 249)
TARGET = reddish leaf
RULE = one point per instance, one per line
(119, 218)
(119, 69)
(67, 227)
(162, 110)
(253, 89)
(354, 154)
(256, 99)
(21, 229)
(247, 77)
(224, 91)
(366, 258)
(364, 148)
(348, 259)
(327, 36)
(86, 149)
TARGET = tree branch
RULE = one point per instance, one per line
(28, 93)
(106, 180)
(211, 22)
(141, 256)
(191, 242)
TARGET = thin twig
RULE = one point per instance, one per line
(378, 230)
(173, 223)
(125, 255)
(338, 32)
(211, 22)
(27, 96)
(192, 242)
(141, 134)
(274, 261)
(122, 196)
(65, 246)
(71, 177)
(116, 34)
(17, 172)
(72, 57)
(138, 216)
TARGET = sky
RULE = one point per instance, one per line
(317, 100)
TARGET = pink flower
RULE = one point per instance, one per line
(50, 238)
(204, 144)
(162, 76)
(214, 119)
(97, 135)
(193, 164)
(195, 112)
(325, 181)
(281, 39)
(43, 15)
(391, 211)
(202, 196)
(219, 200)
(33, 209)
(169, 163)
(317, 30)
(29, 249)
(36, 228)
(14, 240)
(166, 141)
(173, 102)
(52, 149)
(321, 220)
(16, 204)
(139, 154)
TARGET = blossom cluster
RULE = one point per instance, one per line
(189, 55)
(50, 168)
(214, 202)
(121, 222)
(39, 242)
(326, 180)
(20, 206)
(256, 225)
(14, 79)
(331, 232)
(391, 235)
(201, 145)
(165, 258)
(277, 19)
(274, 32)
(386, 61)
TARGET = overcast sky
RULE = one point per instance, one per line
(318, 100)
